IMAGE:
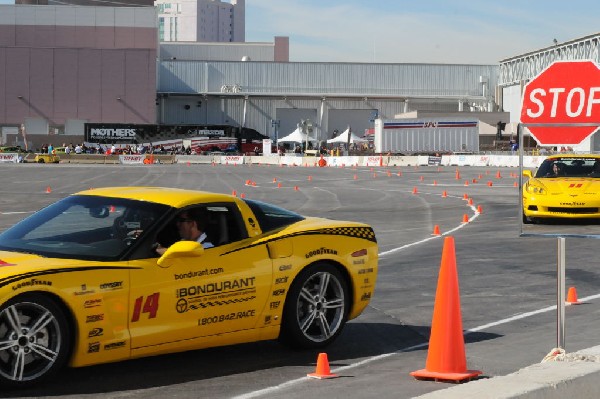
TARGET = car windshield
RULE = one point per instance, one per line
(569, 167)
(83, 227)
(271, 217)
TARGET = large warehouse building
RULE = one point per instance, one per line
(62, 66)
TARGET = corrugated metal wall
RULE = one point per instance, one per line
(414, 80)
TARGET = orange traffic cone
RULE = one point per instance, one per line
(234, 193)
(457, 175)
(498, 175)
(470, 202)
(444, 194)
(465, 218)
(48, 190)
(436, 231)
(322, 371)
(446, 359)
(572, 297)
(415, 191)
(479, 209)
(466, 182)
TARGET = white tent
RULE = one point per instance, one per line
(343, 138)
(295, 137)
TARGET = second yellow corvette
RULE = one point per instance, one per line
(565, 186)
(81, 282)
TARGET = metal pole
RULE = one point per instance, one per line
(560, 294)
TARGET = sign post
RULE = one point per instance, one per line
(561, 107)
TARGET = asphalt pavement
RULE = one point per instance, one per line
(507, 283)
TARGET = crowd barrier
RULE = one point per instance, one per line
(293, 160)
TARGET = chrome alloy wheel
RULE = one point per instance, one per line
(321, 306)
(30, 340)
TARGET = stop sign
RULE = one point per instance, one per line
(567, 93)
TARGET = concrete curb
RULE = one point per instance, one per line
(575, 377)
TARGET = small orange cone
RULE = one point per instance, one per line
(234, 193)
(457, 175)
(322, 371)
(515, 184)
(242, 195)
(274, 180)
(415, 191)
(470, 202)
(479, 210)
(436, 231)
(465, 218)
(399, 173)
(309, 178)
(48, 190)
(278, 185)
(296, 188)
(466, 182)
(446, 359)
(498, 175)
(444, 194)
(112, 209)
(572, 297)
(355, 177)
(421, 178)
(490, 184)
(465, 196)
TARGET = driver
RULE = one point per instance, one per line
(190, 225)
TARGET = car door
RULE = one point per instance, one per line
(202, 292)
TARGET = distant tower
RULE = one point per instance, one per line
(201, 20)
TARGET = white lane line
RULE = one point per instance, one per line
(394, 250)
(290, 383)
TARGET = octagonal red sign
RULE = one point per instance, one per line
(564, 99)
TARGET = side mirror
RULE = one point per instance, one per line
(527, 173)
(181, 249)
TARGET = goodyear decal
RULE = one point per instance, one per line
(366, 233)
(24, 276)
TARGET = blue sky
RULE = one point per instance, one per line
(428, 31)
(417, 31)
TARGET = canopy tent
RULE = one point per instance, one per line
(295, 137)
(343, 138)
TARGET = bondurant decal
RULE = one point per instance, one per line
(212, 288)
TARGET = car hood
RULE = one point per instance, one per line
(30, 265)
(571, 185)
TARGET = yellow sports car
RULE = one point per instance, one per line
(81, 281)
(564, 186)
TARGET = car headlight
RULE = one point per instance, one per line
(536, 190)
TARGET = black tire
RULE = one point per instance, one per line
(35, 340)
(316, 308)
(526, 220)
(41, 160)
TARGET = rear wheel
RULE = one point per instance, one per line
(316, 308)
(34, 340)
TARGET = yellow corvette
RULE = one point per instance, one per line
(564, 186)
(81, 282)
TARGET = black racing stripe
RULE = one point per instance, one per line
(24, 276)
(366, 233)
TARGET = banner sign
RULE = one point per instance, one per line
(131, 159)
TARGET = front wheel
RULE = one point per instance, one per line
(34, 340)
(316, 308)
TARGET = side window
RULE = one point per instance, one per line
(224, 224)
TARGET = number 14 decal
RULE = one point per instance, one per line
(150, 307)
